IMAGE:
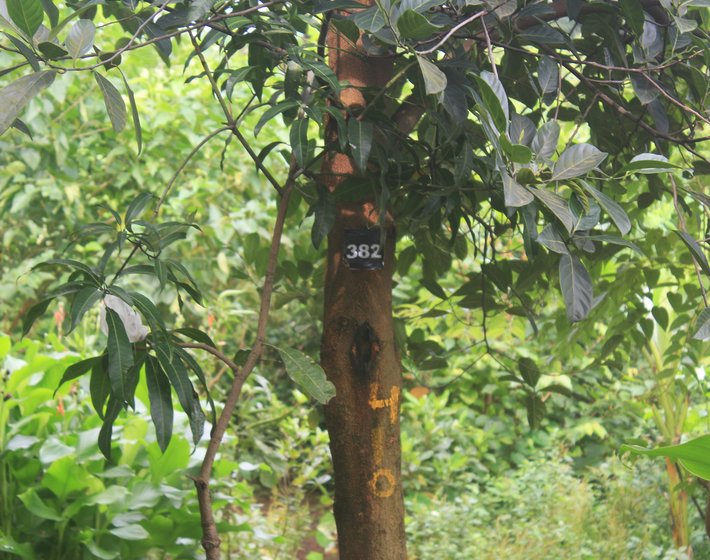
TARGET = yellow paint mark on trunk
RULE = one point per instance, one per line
(378, 444)
(382, 483)
(392, 402)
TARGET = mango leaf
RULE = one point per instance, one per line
(615, 211)
(120, 355)
(100, 385)
(576, 287)
(115, 106)
(299, 141)
(112, 410)
(78, 369)
(577, 160)
(27, 15)
(37, 310)
(360, 138)
(14, 97)
(84, 300)
(272, 112)
(178, 376)
(161, 403)
(307, 374)
(413, 25)
(703, 325)
(134, 114)
(199, 9)
(197, 335)
(80, 38)
(434, 79)
(696, 251)
(694, 455)
(324, 216)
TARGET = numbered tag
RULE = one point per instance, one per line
(363, 249)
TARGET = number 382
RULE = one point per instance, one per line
(363, 251)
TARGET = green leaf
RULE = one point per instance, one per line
(14, 97)
(371, 19)
(434, 79)
(115, 106)
(694, 455)
(557, 205)
(517, 153)
(550, 238)
(616, 240)
(78, 369)
(494, 99)
(577, 160)
(37, 310)
(100, 385)
(21, 46)
(196, 335)
(324, 216)
(548, 75)
(137, 206)
(83, 301)
(132, 532)
(272, 112)
(536, 410)
(178, 376)
(51, 50)
(576, 287)
(695, 250)
(112, 410)
(36, 506)
(134, 113)
(529, 371)
(80, 39)
(649, 163)
(515, 195)
(413, 25)
(51, 10)
(26, 15)
(161, 403)
(86, 270)
(615, 211)
(299, 141)
(307, 374)
(360, 138)
(199, 9)
(702, 331)
(120, 355)
(545, 142)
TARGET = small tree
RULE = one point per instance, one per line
(444, 120)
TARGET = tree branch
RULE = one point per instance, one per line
(211, 540)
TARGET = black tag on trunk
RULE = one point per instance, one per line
(363, 249)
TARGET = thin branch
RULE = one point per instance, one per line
(214, 351)
(226, 109)
(260, 165)
(453, 30)
(211, 540)
(489, 49)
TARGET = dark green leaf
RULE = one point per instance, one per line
(324, 216)
(100, 385)
(615, 211)
(372, 19)
(178, 376)
(536, 410)
(161, 404)
(22, 127)
(413, 25)
(112, 410)
(695, 250)
(51, 10)
(14, 97)
(517, 153)
(83, 301)
(360, 138)
(494, 98)
(51, 50)
(299, 141)
(135, 115)
(27, 15)
(272, 112)
(307, 374)
(86, 270)
(120, 356)
(196, 335)
(37, 310)
(557, 205)
(576, 287)
(78, 369)
(25, 51)
(115, 106)
(529, 371)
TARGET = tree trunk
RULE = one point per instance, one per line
(359, 356)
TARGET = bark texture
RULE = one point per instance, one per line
(359, 356)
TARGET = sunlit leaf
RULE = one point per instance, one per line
(307, 374)
(14, 97)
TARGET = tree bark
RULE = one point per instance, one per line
(358, 352)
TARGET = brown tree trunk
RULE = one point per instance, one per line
(359, 356)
